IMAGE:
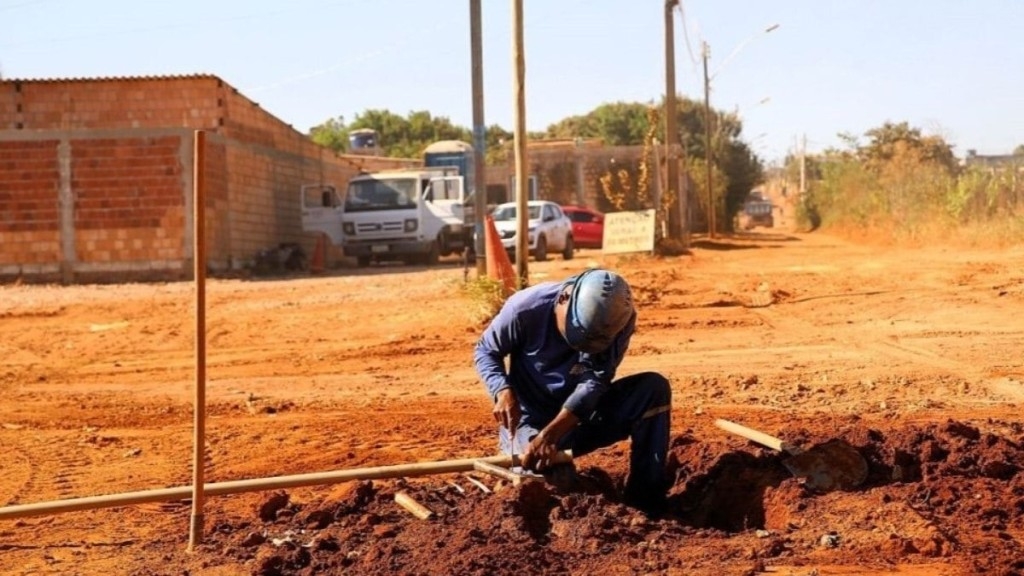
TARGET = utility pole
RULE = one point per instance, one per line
(479, 137)
(803, 165)
(675, 227)
(519, 136)
(705, 53)
(581, 198)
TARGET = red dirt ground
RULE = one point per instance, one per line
(913, 356)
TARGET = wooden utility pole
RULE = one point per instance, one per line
(581, 197)
(479, 137)
(519, 135)
(705, 53)
(803, 165)
(195, 534)
(675, 226)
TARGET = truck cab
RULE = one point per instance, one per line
(415, 216)
(757, 211)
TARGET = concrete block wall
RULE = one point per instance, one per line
(552, 165)
(96, 177)
(546, 161)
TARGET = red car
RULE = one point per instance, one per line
(587, 226)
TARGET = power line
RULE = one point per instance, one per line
(686, 35)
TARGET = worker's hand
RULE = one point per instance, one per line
(539, 453)
(506, 410)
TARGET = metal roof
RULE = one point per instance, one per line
(447, 146)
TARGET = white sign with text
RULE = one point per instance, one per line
(629, 232)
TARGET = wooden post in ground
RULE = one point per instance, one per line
(199, 277)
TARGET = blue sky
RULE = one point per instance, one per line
(952, 68)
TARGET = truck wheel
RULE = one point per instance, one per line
(432, 257)
(570, 248)
(445, 245)
(541, 253)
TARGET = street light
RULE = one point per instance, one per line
(705, 54)
(740, 46)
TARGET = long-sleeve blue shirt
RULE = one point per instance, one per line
(544, 372)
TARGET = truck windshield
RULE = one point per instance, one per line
(388, 194)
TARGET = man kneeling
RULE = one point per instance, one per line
(564, 341)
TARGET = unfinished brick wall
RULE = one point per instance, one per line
(96, 177)
(128, 200)
(111, 103)
(566, 174)
(29, 216)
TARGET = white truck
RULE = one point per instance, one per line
(414, 215)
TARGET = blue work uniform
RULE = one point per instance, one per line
(547, 375)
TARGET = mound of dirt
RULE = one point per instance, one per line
(933, 490)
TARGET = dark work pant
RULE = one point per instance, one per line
(637, 407)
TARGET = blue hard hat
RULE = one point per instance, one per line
(600, 306)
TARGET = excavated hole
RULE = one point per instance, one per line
(741, 491)
(730, 496)
(532, 506)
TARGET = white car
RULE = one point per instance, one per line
(548, 227)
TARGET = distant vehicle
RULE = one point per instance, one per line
(756, 196)
(548, 227)
(757, 211)
(363, 141)
(416, 215)
(587, 226)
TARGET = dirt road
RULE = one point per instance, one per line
(913, 356)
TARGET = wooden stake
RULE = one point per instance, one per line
(498, 471)
(483, 487)
(412, 506)
(195, 536)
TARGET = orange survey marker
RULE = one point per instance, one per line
(499, 267)
(316, 265)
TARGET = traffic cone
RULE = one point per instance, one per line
(316, 265)
(499, 267)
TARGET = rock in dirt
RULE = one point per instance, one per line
(272, 505)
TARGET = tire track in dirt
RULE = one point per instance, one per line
(997, 381)
(993, 378)
(19, 474)
(210, 474)
(43, 468)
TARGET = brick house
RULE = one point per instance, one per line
(96, 177)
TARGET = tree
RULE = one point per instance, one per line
(498, 142)
(333, 134)
(403, 137)
(626, 124)
(890, 141)
(616, 123)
